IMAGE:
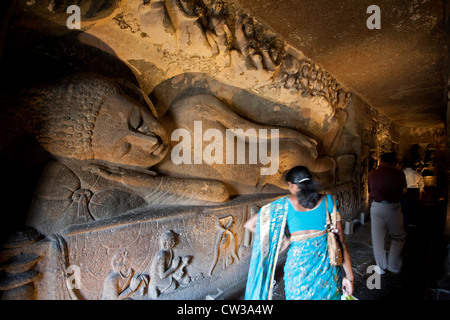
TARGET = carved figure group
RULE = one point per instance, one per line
(166, 274)
(242, 42)
(309, 79)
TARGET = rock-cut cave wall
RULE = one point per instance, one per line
(137, 146)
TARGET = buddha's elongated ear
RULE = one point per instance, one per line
(135, 92)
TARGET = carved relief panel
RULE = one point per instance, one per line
(149, 254)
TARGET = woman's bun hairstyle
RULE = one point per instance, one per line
(308, 194)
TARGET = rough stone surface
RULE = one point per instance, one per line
(396, 69)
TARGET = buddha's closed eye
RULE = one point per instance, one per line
(137, 123)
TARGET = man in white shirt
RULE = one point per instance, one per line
(415, 187)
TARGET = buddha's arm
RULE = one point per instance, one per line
(211, 108)
(157, 189)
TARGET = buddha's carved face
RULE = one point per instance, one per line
(127, 133)
(88, 117)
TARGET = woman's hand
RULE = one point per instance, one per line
(347, 282)
(251, 223)
(347, 286)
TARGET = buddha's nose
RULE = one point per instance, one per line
(147, 142)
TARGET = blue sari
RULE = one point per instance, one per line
(308, 273)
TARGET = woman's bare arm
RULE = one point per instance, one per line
(347, 282)
(251, 223)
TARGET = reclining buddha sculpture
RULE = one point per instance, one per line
(112, 153)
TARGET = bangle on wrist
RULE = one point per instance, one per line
(348, 279)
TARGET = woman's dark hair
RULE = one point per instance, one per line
(308, 194)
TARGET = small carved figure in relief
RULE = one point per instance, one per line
(224, 245)
(122, 283)
(311, 79)
(319, 85)
(167, 271)
(246, 42)
(271, 51)
(218, 31)
(185, 16)
(332, 91)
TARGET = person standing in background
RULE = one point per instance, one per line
(415, 187)
(387, 186)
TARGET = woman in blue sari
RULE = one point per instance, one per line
(308, 274)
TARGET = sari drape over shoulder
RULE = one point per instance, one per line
(267, 241)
